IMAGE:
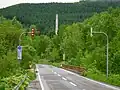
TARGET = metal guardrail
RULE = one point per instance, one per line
(20, 83)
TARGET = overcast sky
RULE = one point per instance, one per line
(6, 3)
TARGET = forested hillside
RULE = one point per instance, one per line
(74, 40)
(43, 14)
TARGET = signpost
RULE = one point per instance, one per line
(19, 51)
(19, 48)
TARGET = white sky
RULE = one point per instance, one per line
(6, 3)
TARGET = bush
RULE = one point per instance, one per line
(8, 64)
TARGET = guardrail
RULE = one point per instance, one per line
(76, 69)
(20, 83)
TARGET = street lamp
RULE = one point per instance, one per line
(91, 34)
(21, 36)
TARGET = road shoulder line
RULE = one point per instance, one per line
(40, 81)
(92, 80)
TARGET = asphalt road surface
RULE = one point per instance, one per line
(53, 78)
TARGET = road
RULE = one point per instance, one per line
(53, 78)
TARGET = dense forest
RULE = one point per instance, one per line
(43, 14)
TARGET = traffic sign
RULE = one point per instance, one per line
(19, 51)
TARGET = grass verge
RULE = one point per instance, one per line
(113, 79)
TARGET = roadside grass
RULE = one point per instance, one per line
(113, 79)
(8, 83)
(56, 64)
(44, 61)
(31, 77)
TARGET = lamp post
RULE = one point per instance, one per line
(21, 36)
(107, 66)
(32, 35)
(19, 48)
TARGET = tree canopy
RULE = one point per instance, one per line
(43, 15)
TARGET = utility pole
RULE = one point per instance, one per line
(56, 32)
(56, 28)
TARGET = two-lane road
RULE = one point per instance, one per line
(53, 78)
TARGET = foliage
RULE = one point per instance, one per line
(9, 33)
(114, 79)
(9, 83)
(8, 64)
(11, 71)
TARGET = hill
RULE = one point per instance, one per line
(43, 14)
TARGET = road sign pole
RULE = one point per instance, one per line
(19, 48)
(19, 51)
(91, 32)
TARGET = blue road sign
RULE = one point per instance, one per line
(19, 51)
(19, 47)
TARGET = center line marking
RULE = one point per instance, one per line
(59, 75)
(64, 78)
(55, 73)
(73, 84)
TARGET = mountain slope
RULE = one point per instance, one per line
(43, 14)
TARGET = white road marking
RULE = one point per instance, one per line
(64, 78)
(55, 73)
(72, 83)
(84, 89)
(92, 80)
(59, 75)
(40, 81)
